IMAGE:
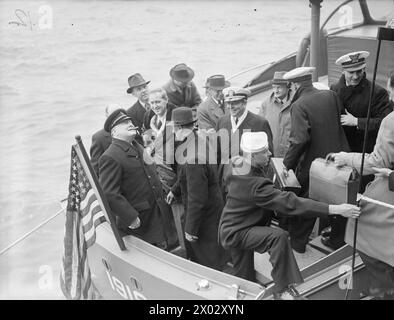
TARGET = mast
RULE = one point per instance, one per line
(315, 37)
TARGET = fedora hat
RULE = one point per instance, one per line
(182, 116)
(136, 80)
(181, 72)
(278, 78)
(217, 82)
(116, 117)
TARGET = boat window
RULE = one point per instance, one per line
(348, 15)
(381, 10)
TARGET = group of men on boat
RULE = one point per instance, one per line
(213, 158)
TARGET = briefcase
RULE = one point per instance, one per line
(332, 184)
(283, 182)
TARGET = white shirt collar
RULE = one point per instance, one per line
(234, 125)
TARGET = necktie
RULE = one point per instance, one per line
(159, 123)
(236, 120)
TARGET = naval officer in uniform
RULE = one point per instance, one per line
(244, 224)
(132, 187)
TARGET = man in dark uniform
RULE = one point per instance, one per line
(200, 192)
(353, 90)
(138, 87)
(181, 90)
(132, 187)
(316, 131)
(231, 127)
(244, 225)
(101, 141)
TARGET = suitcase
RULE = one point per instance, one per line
(282, 182)
(332, 184)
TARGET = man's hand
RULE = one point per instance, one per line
(339, 158)
(190, 238)
(170, 197)
(348, 119)
(382, 172)
(345, 210)
(136, 223)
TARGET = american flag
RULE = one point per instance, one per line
(83, 215)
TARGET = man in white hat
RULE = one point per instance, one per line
(316, 131)
(353, 90)
(245, 222)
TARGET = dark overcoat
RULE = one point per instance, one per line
(355, 100)
(203, 203)
(133, 190)
(252, 123)
(137, 112)
(315, 130)
(100, 142)
(250, 200)
(187, 97)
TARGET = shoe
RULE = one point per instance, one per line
(327, 242)
(326, 232)
(290, 293)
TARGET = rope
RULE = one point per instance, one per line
(30, 232)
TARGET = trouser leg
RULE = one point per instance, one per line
(382, 275)
(275, 241)
(300, 229)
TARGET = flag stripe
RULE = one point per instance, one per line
(83, 215)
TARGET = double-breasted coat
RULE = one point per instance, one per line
(355, 100)
(133, 190)
(137, 112)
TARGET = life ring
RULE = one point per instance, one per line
(303, 49)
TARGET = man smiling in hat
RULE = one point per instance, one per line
(138, 87)
(181, 90)
(315, 132)
(276, 109)
(131, 186)
(209, 111)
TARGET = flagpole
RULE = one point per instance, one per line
(383, 34)
(107, 209)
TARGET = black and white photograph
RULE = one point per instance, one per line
(197, 150)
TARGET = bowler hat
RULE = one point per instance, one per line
(217, 82)
(116, 117)
(182, 116)
(181, 72)
(278, 78)
(136, 80)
